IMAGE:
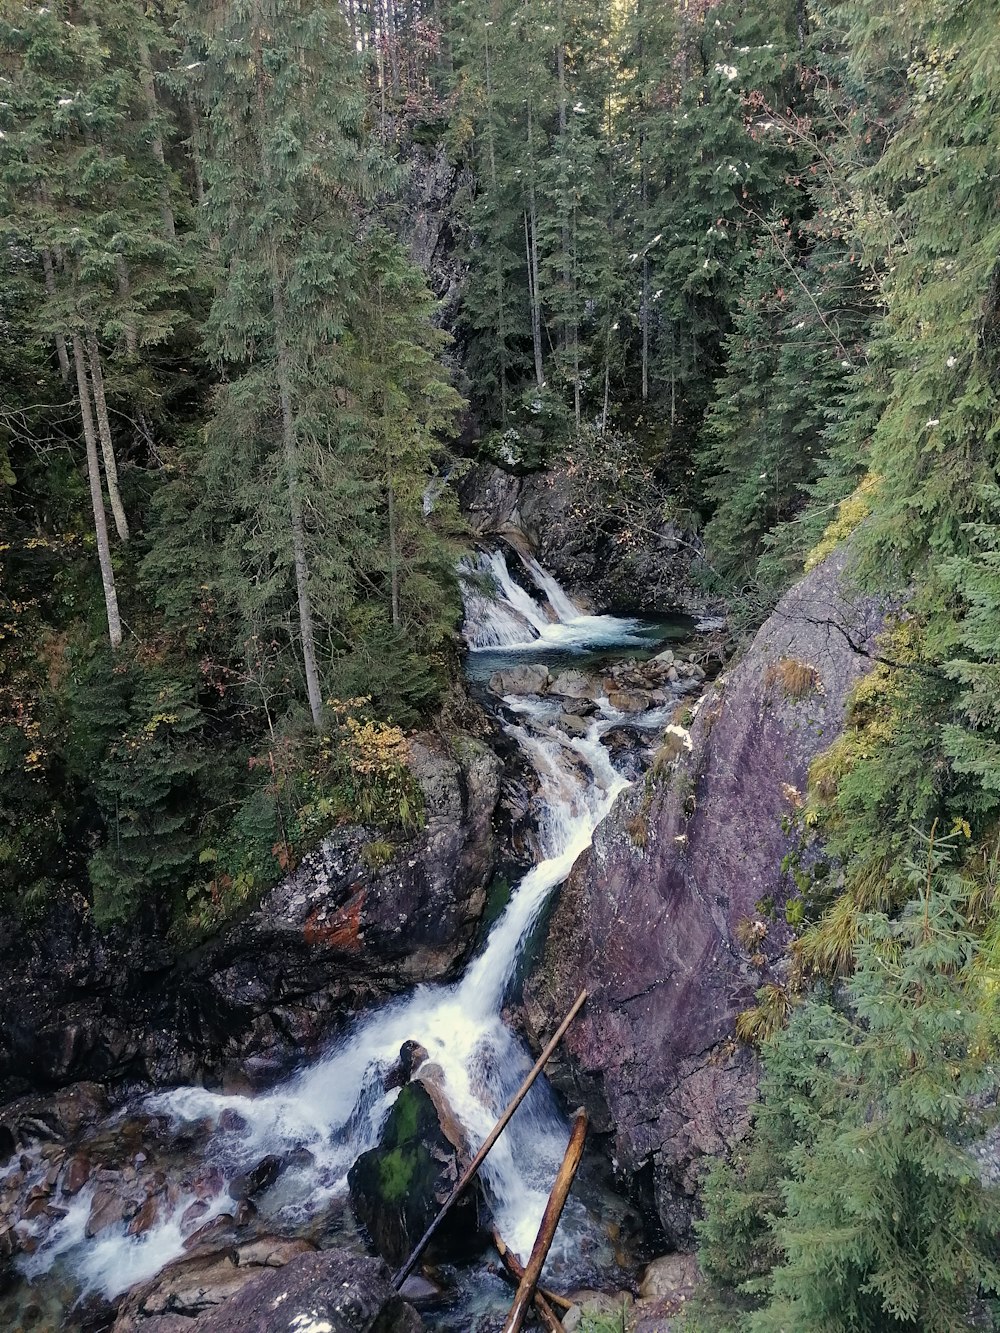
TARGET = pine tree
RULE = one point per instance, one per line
(861, 1153)
(287, 169)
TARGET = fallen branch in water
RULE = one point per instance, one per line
(544, 1300)
(549, 1222)
(495, 1132)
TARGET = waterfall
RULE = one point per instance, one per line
(501, 614)
(335, 1108)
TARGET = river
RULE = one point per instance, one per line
(324, 1116)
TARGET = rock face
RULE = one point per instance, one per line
(281, 1290)
(648, 919)
(348, 928)
(608, 573)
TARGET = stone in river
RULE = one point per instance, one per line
(531, 678)
(398, 1187)
(258, 1179)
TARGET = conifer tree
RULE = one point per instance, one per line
(287, 170)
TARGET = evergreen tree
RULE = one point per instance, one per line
(860, 1161)
(287, 170)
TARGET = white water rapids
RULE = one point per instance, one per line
(335, 1108)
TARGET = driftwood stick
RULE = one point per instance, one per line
(515, 1269)
(480, 1157)
(549, 1222)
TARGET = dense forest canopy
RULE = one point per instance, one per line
(746, 249)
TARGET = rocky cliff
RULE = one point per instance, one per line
(648, 920)
(599, 563)
(345, 930)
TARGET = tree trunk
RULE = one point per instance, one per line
(295, 512)
(50, 288)
(497, 269)
(531, 239)
(97, 498)
(107, 442)
(156, 139)
(125, 292)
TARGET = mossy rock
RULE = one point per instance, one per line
(398, 1188)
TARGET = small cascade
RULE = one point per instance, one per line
(323, 1118)
(501, 614)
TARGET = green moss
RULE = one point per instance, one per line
(396, 1171)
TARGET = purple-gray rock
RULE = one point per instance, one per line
(335, 1292)
(647, 920)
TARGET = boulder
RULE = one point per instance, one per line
(573, 725)
(398, 1187)
(199, 1284)
(573, 685)
(629, 701)
(648, 919)
(629, 750)
(531, 678)
(336, 1292)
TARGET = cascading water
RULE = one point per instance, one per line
(500, 613)
(325, 1116)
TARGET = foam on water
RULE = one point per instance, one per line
(500, 613)
(336, 1107)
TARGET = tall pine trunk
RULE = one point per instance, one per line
(97, 497)
(531, 242)
(156, 139)
(296, 519)
(107, 442)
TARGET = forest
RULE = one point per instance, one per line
(735, 261)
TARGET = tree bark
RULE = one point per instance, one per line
(547, 1227)
(156, 139)
(531, 239)
(50, 288)
(125, 292)
(107, 442)
(313, 691)
(97, 498)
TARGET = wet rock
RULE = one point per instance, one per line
(257, 1180)
(411, 1056)
(647, 920)
(573, 685)
(336, 1292)
(628, 701)
(208, 1239)
(192, 1215)
(232, 1122)
(345, 930)
(531, 678)
(629, 750)
(76, 1175)
(579, 707)
(146, 1217)
(673, 1277)
(398, 1187)
(573, 726)
(109, 1206)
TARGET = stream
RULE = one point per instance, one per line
(323, 1117)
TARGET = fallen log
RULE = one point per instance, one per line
(480, 1157)
(515, 1269)
(549, 1222)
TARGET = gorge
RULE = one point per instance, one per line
(319, 1122)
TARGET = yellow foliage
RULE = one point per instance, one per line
(770, 1015)
(797, 679)
(851, 513)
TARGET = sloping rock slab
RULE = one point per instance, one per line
(647, 920)
(334, 1292)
